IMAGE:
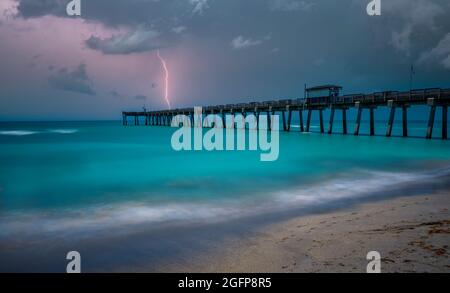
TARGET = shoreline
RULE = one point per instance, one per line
(412, 234)
(408, 223)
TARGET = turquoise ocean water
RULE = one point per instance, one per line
(88, 176)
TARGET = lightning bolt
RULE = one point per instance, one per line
(166, 78)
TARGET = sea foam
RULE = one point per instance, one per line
(18, 132)
(63, 131)
(110, 217)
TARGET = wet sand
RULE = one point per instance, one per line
(412, 234)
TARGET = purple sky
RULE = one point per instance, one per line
(218, 51)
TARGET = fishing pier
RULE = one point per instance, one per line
(319, 99)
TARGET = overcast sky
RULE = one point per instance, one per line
(217, 51)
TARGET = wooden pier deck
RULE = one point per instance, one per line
(432, 97)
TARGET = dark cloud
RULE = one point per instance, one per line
(140, 40)
(290, 5)
(439, 54)
(140, 97)
(311, 41)
(38, 8)
(76, 80)
(118, 12)
(115, 94)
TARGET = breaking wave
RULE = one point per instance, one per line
(110, 217)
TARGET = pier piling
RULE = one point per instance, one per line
(432, 103)
(321, 121)
(308, 120)
(222, 115)
(405, 120)
(358, 119)
(330, 125)
(444, 122)
(391, 119)
(289, 118)
(372, 121)
(300, 115)
(431, 122)
(344, 121)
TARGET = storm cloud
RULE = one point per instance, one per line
(140, 40)
(219, 51)
(75, 80)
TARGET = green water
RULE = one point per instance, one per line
(104, 167)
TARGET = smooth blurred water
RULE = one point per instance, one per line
(103, 167)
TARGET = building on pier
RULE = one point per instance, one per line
(322, 94)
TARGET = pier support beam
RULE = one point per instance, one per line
(372, 121)
(269, 119)
(289, 119)
(300, 115)
(444, 121)
(330, 125)
(391, 119)
(222, 115)
(232, 126)
(358, 120)
(321, 121)
(308, 120)
(431, 121)
(405, 120)
(344, 121)
(284, 120)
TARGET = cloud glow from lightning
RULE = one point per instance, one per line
(166, 86)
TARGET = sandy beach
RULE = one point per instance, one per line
(412, 234)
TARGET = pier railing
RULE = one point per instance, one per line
(432, 97)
